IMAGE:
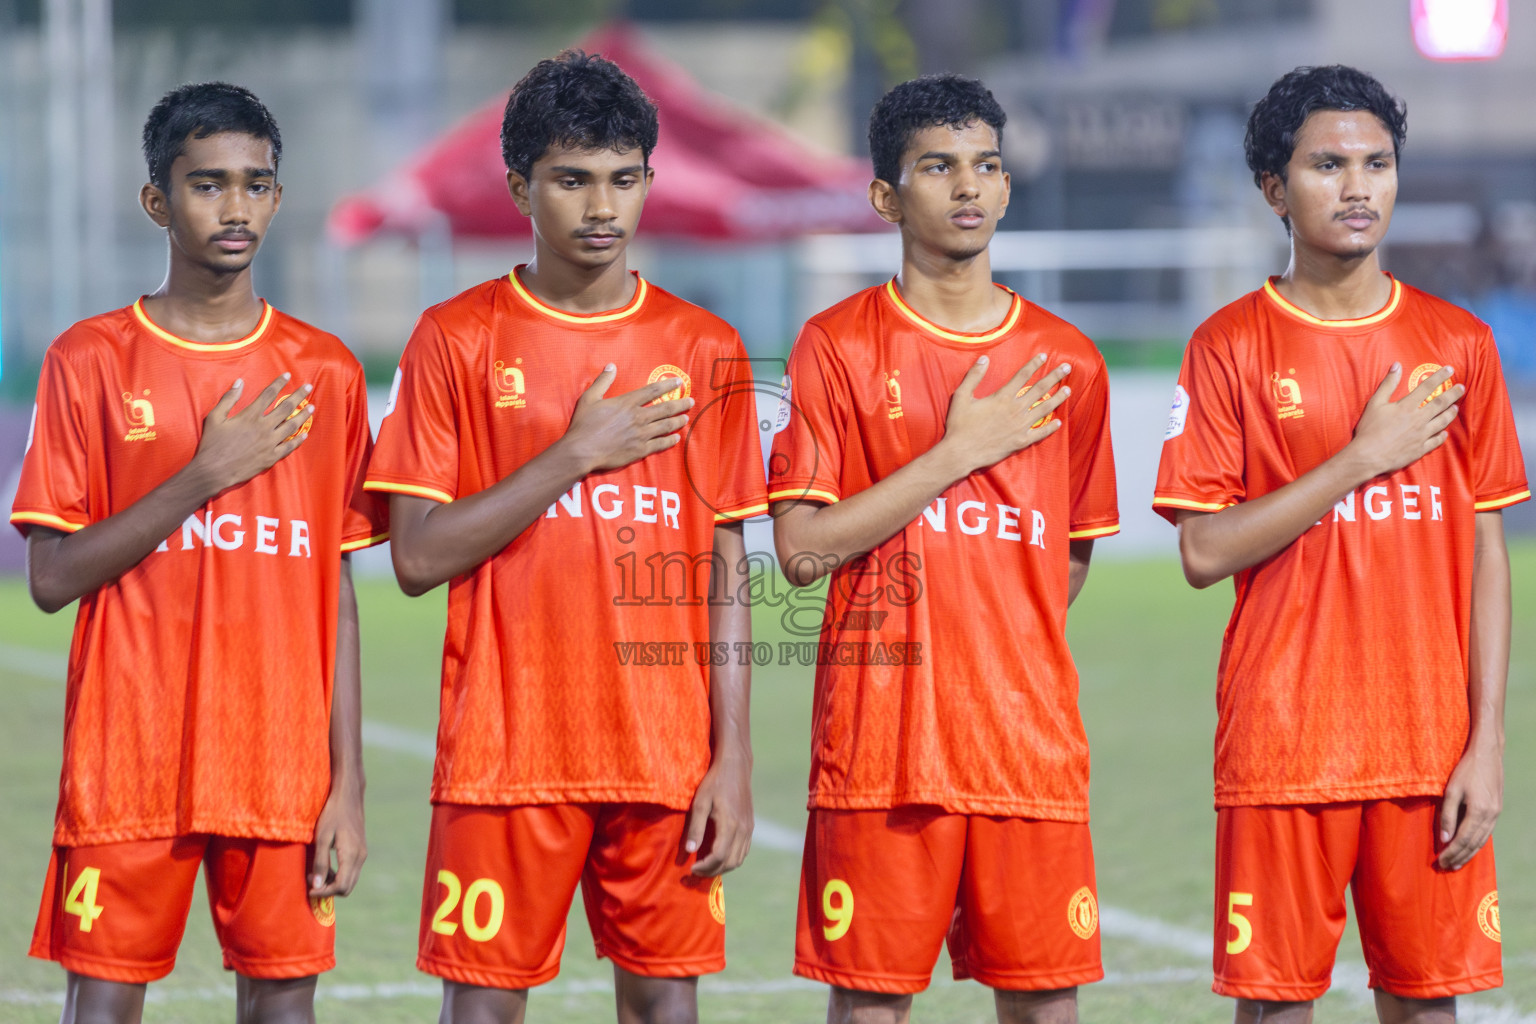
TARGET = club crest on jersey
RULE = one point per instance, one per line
(717, 900)
(1083, 913)
(668, 370)
(1422, 371)
(1287, 395)
(141, 417)
(1488, 916)
(324, 909)
(510, 384)
(893, 395)
(307, 423)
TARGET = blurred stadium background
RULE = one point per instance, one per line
(1133, 215)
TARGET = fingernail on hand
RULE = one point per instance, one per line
(238, 385)
(691, 846)
(1445, 837)
(983, 361)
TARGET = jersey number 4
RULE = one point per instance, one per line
(81, 899)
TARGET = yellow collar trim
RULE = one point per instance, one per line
(199, 346)
(641, 288)
(1015, 311)
(1364, 321)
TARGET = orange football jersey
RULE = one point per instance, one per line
(199, 688)
(943, 675)
(1343, 672)
(576, 663)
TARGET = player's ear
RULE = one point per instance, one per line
(1273, 187)
(650, 177)
(518, 186)
(882, 196)
(1007, 192)
(155, 204)
(277, 195)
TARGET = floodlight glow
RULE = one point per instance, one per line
(1460, 29)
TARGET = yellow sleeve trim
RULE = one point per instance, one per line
(1493, 503)
(1093, 531)
(366, 542)
(741, 513)
(796, 493)
(45, 519)
(1199, 506)
(420, 492)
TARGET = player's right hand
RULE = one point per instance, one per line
(235, 448)
(609, 433)
(985, 431)
(1391, 435)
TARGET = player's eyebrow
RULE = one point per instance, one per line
(1339, 158)
(221, 174)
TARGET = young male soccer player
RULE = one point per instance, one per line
(211, 714)
(949, 768)
(1341, 444)
(588, 730)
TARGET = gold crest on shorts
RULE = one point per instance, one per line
(668, 370)
(1488, 916)
(1083, 913)
(717, 899)
(324, 909)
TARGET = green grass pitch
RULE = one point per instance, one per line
(1146, 645)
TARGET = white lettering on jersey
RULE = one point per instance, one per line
(973, 522)
(781, 420)
(225, 532)
(1178, 414)
(607, 504)
(1378, 504)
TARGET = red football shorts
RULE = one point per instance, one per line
(117, 911)
(1280, 877)
(500, 880)
(880, 891)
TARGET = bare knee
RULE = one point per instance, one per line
(643, 1000)
(477, 1004)
(1052, 1006)
(97, 1001)
(1392, 1009)
(851, 1006)
(1268, 1011)
(274, 1000)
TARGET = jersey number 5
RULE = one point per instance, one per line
(1244, 936)
(81, 900)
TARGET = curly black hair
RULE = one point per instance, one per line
(198, 111)
(950, 100)
(1278, 117)
(575, 99)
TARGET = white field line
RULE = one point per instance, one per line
(1348, 979)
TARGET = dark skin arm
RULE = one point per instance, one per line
(1389, 436)
(339, 828)
(812, 539)
(1475, 793)
(62, 567)
(1079, 552)
(432, 542)
(724, 797)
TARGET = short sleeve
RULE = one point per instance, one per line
(811, 427)
(1095, 510)
(55, 472)
(1202, 461)
(366, 520)
(418, 448)
(736, 462)
(1498, 470)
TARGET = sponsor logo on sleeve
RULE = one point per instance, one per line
(1178, 414)
(394, 392)
(781, 420)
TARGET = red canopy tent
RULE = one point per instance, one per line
(721, 172)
